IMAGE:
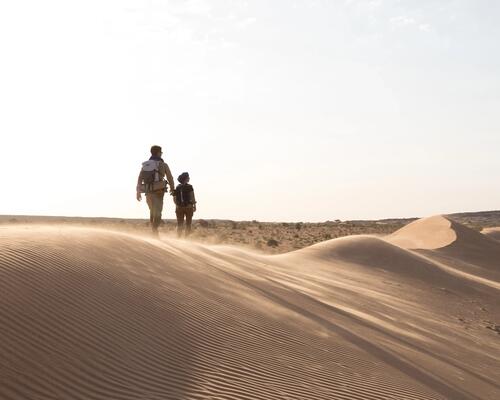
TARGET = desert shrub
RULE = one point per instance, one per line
(273, 243)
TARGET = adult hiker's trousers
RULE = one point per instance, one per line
(155, 204)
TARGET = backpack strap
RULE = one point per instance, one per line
(157, 172)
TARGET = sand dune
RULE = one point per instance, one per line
(376, 253)
(492, 233)
(453, 244)
(426, 234)
(95, 314)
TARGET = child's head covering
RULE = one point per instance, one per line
(183, 177)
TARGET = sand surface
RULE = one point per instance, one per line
(97, 314)
(493, 233)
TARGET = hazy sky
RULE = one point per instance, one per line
(280, 109)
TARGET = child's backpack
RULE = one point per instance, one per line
(150, 177)
(184, 195)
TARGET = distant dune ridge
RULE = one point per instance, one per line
(97, 314)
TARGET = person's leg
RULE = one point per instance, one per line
(180, 220)
(189, 220)
(159, 208)
(149, 201)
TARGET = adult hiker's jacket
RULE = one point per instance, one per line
(164, 173)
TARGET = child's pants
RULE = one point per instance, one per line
(181, 213)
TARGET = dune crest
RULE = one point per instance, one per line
(427, 234)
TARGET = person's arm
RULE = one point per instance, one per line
(193, 200)
(170, 178)
(137, 188)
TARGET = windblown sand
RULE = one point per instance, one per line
(95, 314)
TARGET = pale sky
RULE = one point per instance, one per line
(281, 110)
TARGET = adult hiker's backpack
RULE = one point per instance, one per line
(184, 195)
(150, 180)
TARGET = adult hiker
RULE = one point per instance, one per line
(185, 204)
(152, 182)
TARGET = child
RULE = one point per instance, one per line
(185, 204)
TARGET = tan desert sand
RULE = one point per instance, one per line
(90, 313)
(427, 233)
(493, 233)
